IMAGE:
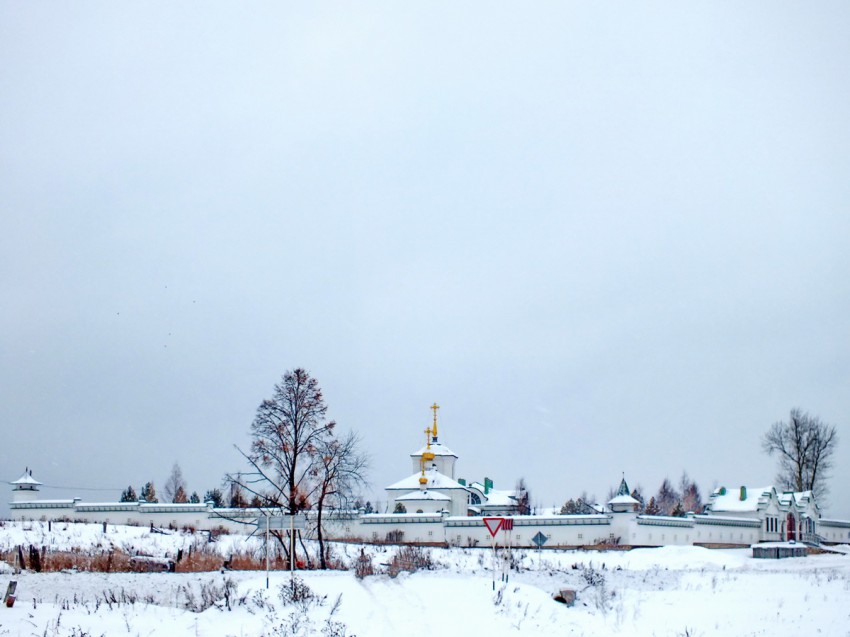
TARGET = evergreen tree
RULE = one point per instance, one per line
(678, 511)
(180, 496)
(399, 508)
(214, 496)
(652, 507)
(194, 499)
(256, 502)
(237, 498)
(569, 508)
(149, 493)
(129, 495)
(637, 495)
(368, 508)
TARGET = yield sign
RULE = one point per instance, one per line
(493, 525)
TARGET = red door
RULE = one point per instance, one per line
(791, 528)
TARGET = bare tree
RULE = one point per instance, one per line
(691, 496)
(174, 483)
(287, 433)
(667, 497)
(298, 463)
(522, 497)
(804, 446)
(341, 469)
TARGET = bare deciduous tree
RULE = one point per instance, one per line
(804, 446)
(691, 496)
(522, 497)
(341, 468)
(174, 483)
(298, 463)
(667, 497)
(287, 433)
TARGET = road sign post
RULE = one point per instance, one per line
(288, 523)
(493, 525)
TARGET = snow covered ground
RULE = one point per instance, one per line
(651, 592)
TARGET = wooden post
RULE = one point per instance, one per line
(9, 597)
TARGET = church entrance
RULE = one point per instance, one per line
(790, 528)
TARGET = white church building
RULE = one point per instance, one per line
(432, 505)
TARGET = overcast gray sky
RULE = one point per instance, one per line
(604, 239)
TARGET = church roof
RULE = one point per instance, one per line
(436, 480)
(437, 448)
(422, 495)
(624, 488)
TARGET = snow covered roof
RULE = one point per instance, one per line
(414, 496)
(437, 448)
(501, 498)
(26, 479)
(623, 499)
(730, 499)
(436, 480)
(800, 498)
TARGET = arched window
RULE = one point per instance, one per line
(474, 499)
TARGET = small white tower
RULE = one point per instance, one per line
(623, 502)
(25, 488)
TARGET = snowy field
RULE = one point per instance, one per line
(653, 592)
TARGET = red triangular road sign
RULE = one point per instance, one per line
(493, 525)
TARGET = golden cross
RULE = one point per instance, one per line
(435, 407)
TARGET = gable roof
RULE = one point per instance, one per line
(436, 480)
(729, 500)
(417, 496)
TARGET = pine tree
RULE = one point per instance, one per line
(129, 495)
(194, 499)
(149, 493)
(180, 496)
(399, 508)
(237, 498)
(678, 511)
(214, 496)
(368, 508)
(569, 508)
(637, 495)
(652, 507)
